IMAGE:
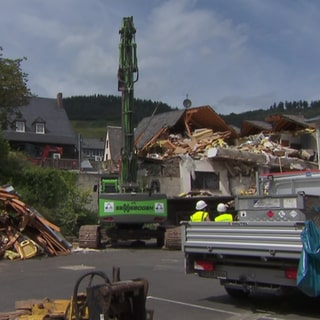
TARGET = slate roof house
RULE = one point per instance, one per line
(92, 149)
(42, 125)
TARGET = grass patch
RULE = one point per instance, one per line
(91, 129)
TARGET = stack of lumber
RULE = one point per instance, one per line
(24, 232)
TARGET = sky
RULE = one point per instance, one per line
(234, 55)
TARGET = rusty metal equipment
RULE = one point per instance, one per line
(117, 300)
(121, 300)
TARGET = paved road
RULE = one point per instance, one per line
(172, 294)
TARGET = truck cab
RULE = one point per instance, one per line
(109, 184)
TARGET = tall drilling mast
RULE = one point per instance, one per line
(128, 74)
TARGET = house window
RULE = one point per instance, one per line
(20, 126)
(40, 128)
(205, 181)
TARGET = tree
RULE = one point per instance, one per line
(4, 158)
(13, 87)
(4, 149)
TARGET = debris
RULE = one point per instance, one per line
(203, 143)
(24, 232)
(164, 146)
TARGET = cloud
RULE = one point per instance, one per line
(233, 55)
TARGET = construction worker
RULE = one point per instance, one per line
(201, 214)
(223, 216)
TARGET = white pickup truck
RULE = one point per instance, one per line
(260, 251)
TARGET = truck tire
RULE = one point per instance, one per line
(236, 293)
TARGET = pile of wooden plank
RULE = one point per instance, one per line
(167, 145)
(24, 232)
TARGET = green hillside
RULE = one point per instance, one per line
(89, 115)
(90, 129)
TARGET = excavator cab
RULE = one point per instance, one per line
(109, 185)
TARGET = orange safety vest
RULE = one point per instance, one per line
(225, 217)
(199, 216)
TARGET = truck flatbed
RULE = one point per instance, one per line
(257, 239)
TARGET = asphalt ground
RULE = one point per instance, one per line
(171, 295)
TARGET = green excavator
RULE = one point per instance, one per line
(132, 211)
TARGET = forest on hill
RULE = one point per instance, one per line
(103, 110)
(107, 109)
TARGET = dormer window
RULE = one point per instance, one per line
(40, 128)
(20, 126)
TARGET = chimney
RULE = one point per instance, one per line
(59, 100)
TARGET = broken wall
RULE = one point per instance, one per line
(167, 173)
(175, 174)
(189, 167)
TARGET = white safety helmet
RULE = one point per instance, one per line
(221, 207)
(200, 205)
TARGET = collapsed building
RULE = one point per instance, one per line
(194, 152)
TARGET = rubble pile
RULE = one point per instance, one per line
(263, 144)
(195, 146)
(24, 232)
(203, 139)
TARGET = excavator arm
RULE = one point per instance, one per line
(127, 75)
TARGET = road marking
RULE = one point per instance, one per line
(193, 305)
(77, 267)
(170, 260)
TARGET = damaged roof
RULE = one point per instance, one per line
(179, 121)
(288, 122)
(250, 127)
(149, 126)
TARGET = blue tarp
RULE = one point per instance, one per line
(308, 279)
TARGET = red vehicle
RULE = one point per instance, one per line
(51, 157)
(51, 152)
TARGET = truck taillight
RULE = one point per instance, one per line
(158, 219)
(270, 214)
(291, 273)
(203, 265)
